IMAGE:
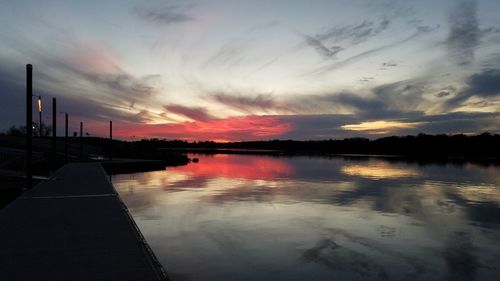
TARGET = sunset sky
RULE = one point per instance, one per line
(247, 70)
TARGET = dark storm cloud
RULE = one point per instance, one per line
(194, 113)
(164, 15)
(464, 34)
(485, 84)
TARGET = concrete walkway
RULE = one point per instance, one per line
(73, 227)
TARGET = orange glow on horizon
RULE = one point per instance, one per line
(221, 130)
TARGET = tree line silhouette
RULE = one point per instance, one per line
(484, 145)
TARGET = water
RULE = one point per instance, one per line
(241, 217)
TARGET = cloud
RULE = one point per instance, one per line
(85, 77)
(380, 127)
(355, 34)
(419, 31)
(194, 113)
(485, 84)
(321, 48)
(249, 102)
(164, 15)
(464, 35)
(446, 92)
(230, 54)
(394, 100)
(226, 129)
(349, 35)
(442, 94)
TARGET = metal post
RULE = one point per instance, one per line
(40, 116)
(66, 139)
(54, 130)
(29, 123)
(110, 140)
(81, 141)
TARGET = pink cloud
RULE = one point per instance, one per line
(227, 129)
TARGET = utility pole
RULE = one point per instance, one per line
(40, 116)
(29, 124)
(54, 130)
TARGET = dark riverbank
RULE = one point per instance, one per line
(127, 157)
(483, 146)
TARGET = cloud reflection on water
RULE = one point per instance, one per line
(258, 217)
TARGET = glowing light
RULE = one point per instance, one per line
(39, 104)
(380, 127)
(378, 171)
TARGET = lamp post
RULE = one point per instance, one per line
(39, 115)
(29, 123)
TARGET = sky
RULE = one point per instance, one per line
(255, 70)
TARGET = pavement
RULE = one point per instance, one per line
(73, 227)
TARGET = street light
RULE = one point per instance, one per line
(39, 114)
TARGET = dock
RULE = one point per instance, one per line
(74, 226)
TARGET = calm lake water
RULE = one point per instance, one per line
(241, 217)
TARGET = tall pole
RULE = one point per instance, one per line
(81, 141)
(54, 130)
(29, 123)
(110, 140)
(40, 115)
(66, 139)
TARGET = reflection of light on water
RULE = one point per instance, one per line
(247, 217)
(479, 193)
(236, 166)
(378, 171)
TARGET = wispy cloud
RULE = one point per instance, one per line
(419, 31)
(464, 34)
(355, 34)
(249, 102)
(321, 48)
(88, 80)
(342, 37)
(164, 15)
(229, 54)
(194, 113)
